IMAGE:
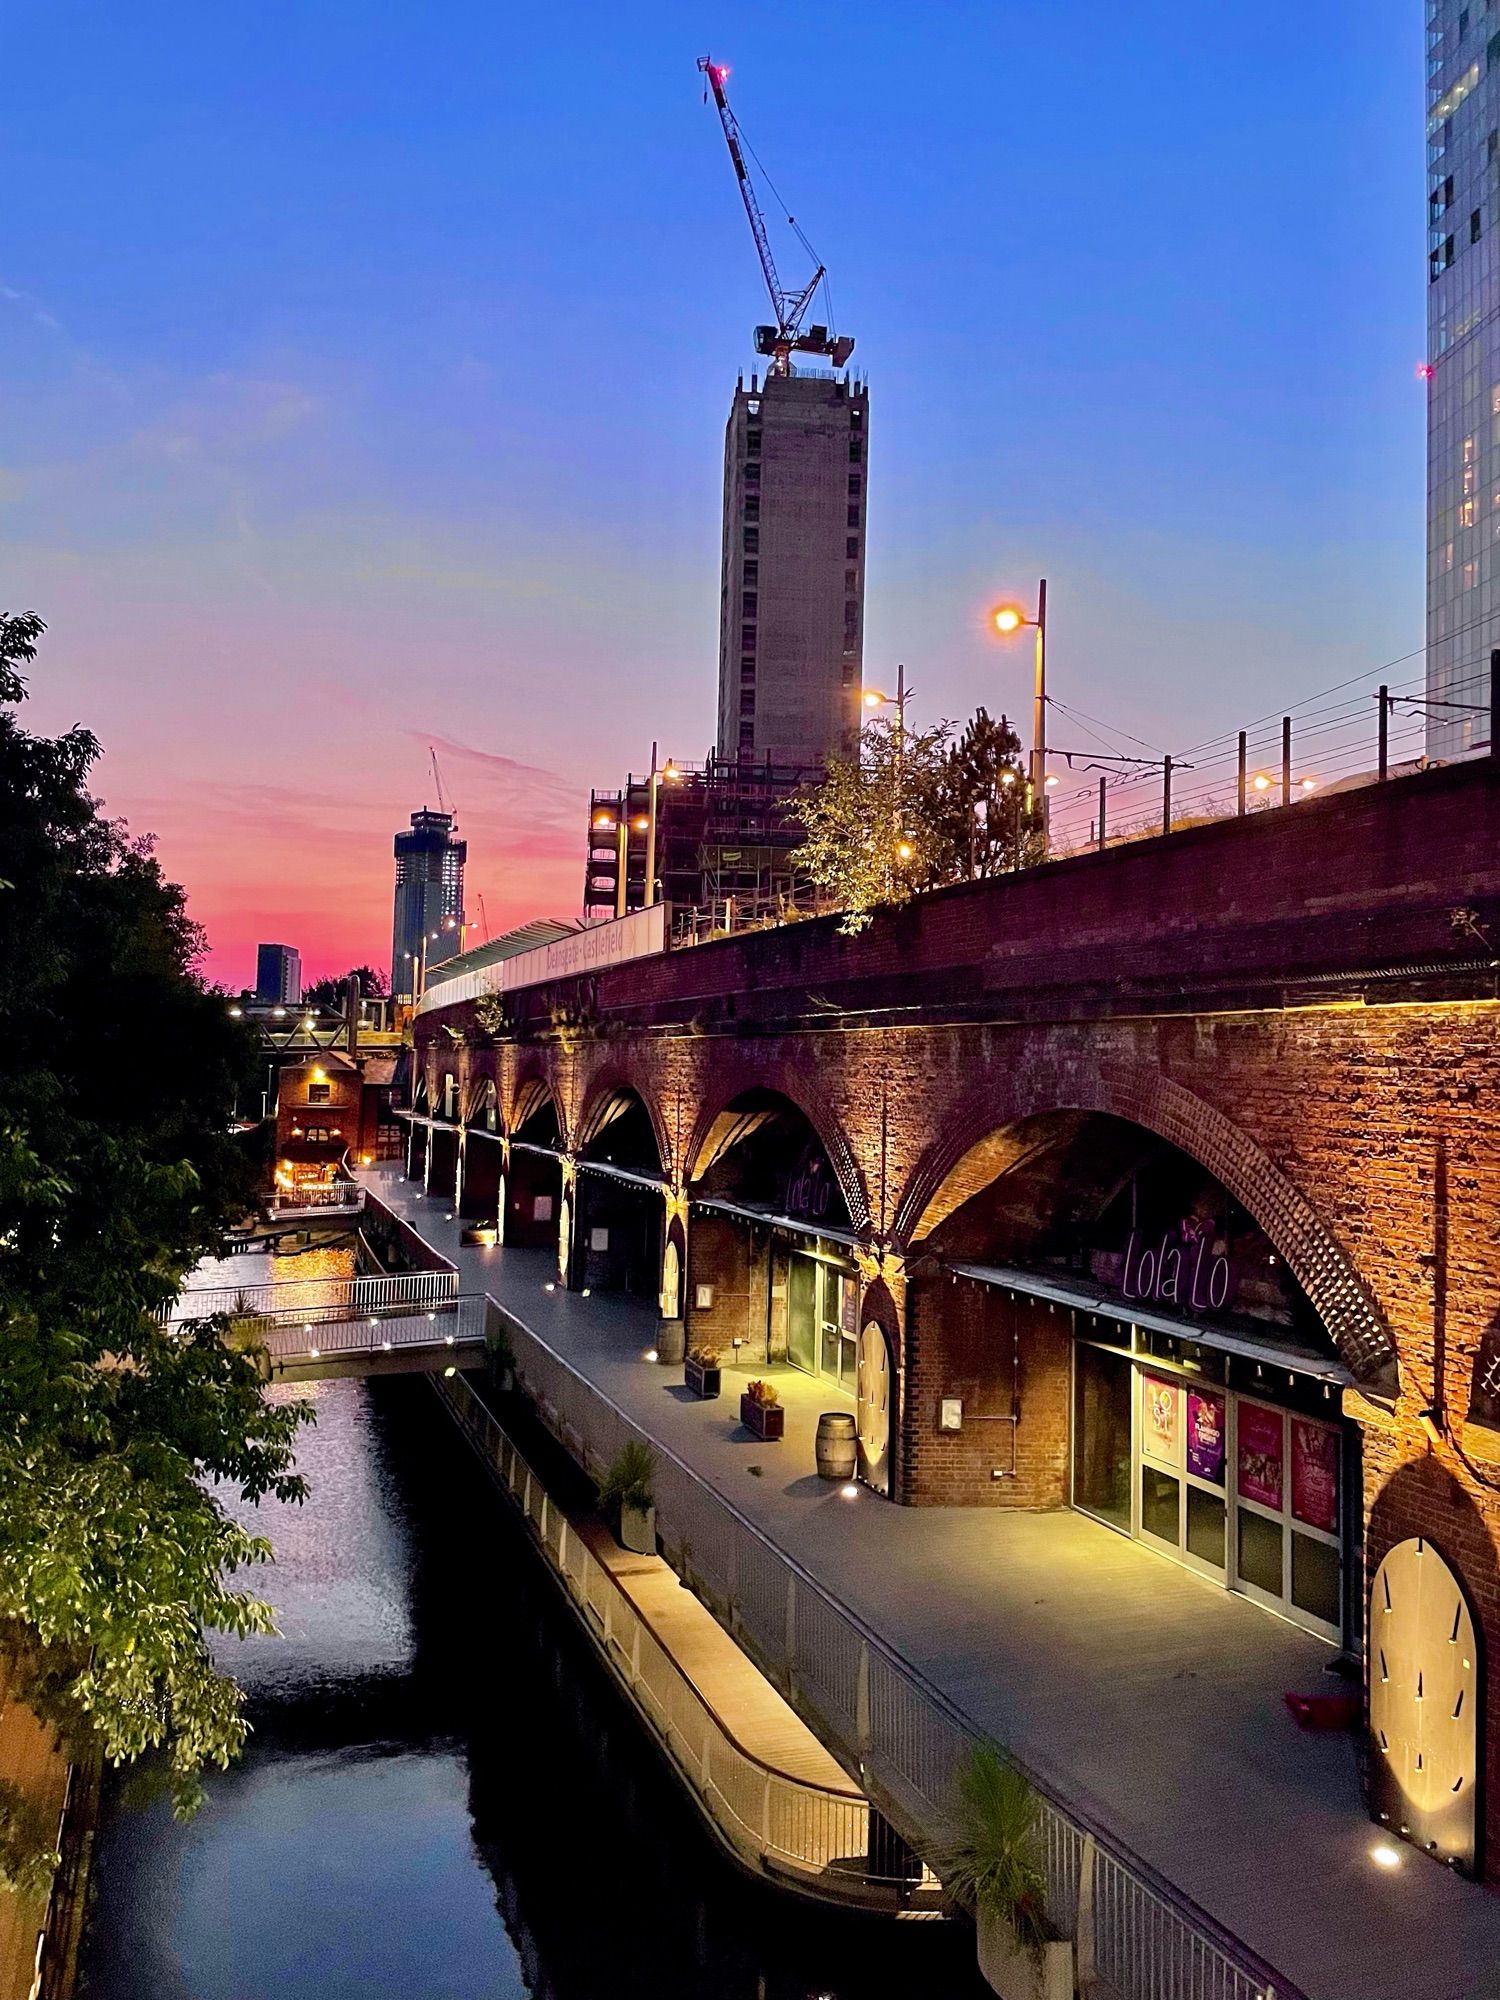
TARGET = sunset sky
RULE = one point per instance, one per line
(365, 371)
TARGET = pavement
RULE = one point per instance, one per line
(1145, 1695)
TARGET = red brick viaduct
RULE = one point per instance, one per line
(1304, 1002)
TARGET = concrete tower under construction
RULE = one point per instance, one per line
(791, 615)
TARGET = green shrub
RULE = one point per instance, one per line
(628, 1482)
(992, 1862)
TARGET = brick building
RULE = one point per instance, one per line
(1162, 1183)
(329, 1104)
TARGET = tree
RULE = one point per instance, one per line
(874, 835)
(331, 992)
(118, 1071)
(981, 815)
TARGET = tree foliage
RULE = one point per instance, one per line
(118, 1073)
(916, 810)
(331, 992)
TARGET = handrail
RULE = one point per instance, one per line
(1136, 1930)
(291, 1295)
(817, 1833)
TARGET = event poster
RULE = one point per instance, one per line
(1159, 1433)
(1205, 1435)
(1260, 1453)
(1315, 1475)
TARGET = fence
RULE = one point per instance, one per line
(321, 1298)
(290, 1339)
(1130, 1927)
(335, 1194)
(815, 1834)
(1359, 733)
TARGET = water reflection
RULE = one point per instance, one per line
(445, 1796)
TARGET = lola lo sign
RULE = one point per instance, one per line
(1183, 1271)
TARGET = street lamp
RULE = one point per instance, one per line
(875, 699)
(668, 774)
(1009, 618)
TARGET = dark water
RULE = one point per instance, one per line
(445, 1796)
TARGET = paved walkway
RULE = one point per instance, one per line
(1145, 1694)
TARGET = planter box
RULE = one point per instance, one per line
(702, 1381)
(638, 1530)
(1015, 1973)
(767, 1420)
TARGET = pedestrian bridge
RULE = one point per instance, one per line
(313, 1328)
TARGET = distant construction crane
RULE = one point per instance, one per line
(484, 915)
(786, 337)
(444, 805)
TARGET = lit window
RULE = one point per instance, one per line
(318, 1093)
(1470, 575)
(1466, 514)
(1468, 451)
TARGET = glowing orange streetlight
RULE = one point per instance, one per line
(1007, 619)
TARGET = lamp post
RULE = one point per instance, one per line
(669, 774)
(1010, 618)
(875, 699)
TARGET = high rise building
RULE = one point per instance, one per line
(791, 618)
(278, 974)
(429, 917)
(1463, 357)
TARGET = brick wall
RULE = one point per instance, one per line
(999, 1355)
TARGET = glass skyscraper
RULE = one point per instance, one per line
(1463, 367)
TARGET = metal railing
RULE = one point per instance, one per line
(331, 1298)
(335, 1194)
(289, 1339)
(817, 1834)
(1130, 1927)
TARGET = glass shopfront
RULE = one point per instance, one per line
(822, 1320)
(1231, 1467)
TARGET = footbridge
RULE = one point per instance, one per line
(313, 1328)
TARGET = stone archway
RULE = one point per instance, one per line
(972, 1150)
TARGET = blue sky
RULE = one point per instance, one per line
(365, 372)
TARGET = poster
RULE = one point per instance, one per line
(1260, 1449)
(848, 1306)
(1315, 1475)
(1162, 1401)
(1205, 1435)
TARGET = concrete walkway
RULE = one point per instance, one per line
(1146, 1695)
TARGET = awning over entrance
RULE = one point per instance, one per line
(792, 1225)
(1080, 1296)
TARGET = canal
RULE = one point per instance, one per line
(444, 1795)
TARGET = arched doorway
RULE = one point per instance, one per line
(620, 1199)
(1114, 1330)
(534, 1187)
(442, 1142)
(1425, 1691)
(772, 1275)
(479, 1195)
(416, 1138)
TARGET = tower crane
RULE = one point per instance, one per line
(444, 805)
(786, 337)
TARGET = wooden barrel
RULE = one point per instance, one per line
(835, 1445)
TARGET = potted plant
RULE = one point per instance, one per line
(627, 1488)
(992, 1865)
(700, 1370)
(503, 1361)
(761, 1411)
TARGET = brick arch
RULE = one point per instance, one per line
(606, 1087)
(531, 1087)
(737, 1079)
(1143, 1096)
(473, 1098)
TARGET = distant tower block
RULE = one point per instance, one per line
(429, 914)
(791, 617)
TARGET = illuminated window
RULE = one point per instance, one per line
(1466, 514)
(319, 1093)
(1470, 576)
(1468, 451)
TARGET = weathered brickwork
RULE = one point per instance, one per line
(1291, 1003)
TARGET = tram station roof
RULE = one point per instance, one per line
(526, 937)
